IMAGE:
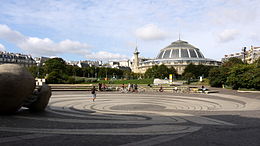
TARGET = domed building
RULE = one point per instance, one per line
(178, 54)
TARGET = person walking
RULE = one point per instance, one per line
(93, 92)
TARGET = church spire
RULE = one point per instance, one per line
(136, 50)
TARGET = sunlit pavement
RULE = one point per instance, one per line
(72, 118)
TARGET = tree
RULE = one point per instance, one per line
(161, 71)
(244, 76)
(55, 64)
(37, 71)
(232, 62)
(197, 70)
(189, 76)
(218, 76)
(257, 62)
(56, 78)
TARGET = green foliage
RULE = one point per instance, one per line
(55, 64)
(257, 62)
(71, 80)
(56, 78)
(104, 72)
(197, 70)
(59, 72)
(131, 75)
(189, 76)
(232, 62)
(236, 76)
(244, 76)
(218, 76)
(160, 71)
(37, 71)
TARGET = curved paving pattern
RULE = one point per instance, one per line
(132, 114)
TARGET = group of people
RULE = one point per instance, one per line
(102, 87)
(130, 87)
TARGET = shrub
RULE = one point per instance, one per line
(218, 76)
(54, 78)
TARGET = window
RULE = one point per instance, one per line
(192, 53)
(175, 53)
(160, 55)
(184, 53)
(167, 54)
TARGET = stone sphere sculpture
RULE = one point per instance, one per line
(42, 99)
(16, 84)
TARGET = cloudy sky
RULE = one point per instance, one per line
(110, 29)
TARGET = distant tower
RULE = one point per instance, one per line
(136, 59)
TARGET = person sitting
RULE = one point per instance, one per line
(135, 88)
(99, 86)
(104, 87)
(203, 89)
(175, 89)
(129, 87)
(161, 89)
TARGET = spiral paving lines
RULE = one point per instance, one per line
(150, 114)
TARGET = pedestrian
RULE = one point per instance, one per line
(93, 92)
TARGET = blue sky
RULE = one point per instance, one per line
(110, 29)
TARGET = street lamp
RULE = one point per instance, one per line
(244, 54)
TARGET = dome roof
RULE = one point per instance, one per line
(180, 49)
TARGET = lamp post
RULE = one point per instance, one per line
(244, 54)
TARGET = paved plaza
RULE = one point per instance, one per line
(130, 119)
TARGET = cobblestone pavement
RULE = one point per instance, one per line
(131, 119)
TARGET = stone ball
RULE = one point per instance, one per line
(16, 84)
(42, 100)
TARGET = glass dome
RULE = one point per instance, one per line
(178, 50)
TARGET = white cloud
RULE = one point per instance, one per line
(106, 56)
(228, 35)
(151, 32)
(47, 47)
(2, 47)
(10, 35)
(39, 47)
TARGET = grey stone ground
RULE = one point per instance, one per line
(130, 119)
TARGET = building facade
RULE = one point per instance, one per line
(178, 54)
(41, 60)
(17, 58)
(85, 63)
(248, 56)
